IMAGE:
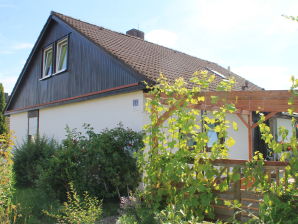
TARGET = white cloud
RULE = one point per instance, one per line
(21, 46)
(8, 82)
(162, 37)
(268, 77)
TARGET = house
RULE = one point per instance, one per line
(82, 73)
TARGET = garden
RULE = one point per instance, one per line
(166, 174)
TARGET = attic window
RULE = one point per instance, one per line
(61, 57)
(219, 74)
(47, 62)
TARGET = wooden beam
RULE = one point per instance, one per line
(266, 101)
(243, 121)
(249, 129)
(169, 112)
(268, 116)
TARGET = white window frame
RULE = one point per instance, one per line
(59, 46)
(45, 51)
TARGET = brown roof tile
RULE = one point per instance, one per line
(147, 58)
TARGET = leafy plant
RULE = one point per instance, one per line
(76, 210)
(30, 158)
(280, 198)
(177, 164)
(8, 210)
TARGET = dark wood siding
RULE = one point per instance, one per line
(90, 69)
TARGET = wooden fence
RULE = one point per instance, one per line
(240, 190)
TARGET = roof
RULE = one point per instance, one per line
(151, 59)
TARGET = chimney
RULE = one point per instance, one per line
(245, 86)
(136, 33)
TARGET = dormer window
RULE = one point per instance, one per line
(47, 62)
(61, 55)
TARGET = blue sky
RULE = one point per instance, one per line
(250, 36)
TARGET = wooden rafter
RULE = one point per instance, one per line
(263, 101)
(243, 121)
(268, 116)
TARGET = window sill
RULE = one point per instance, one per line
(58, 73)
(45, 77)
(49, 76)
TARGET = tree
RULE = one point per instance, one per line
(3, 125)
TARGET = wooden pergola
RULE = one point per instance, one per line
(270, 101)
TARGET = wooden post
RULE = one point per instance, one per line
(249, 129)
(237, 190)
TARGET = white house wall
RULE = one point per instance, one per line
(19, 126)
(101, 113)
(240, 149)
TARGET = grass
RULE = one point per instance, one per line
(31, 202)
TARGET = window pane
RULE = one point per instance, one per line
(32, 129)
(62, 58)
(48, 62)
(212, 136)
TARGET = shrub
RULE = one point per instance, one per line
(102, 164)
(76, 210)
(30, 157)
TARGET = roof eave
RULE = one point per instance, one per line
(34, 49)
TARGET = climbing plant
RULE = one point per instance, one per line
(280, 198)
(176, 162)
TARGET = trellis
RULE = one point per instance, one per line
(272, 101)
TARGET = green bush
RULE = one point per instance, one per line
(102, 164)
(76, 210)
(30, 157)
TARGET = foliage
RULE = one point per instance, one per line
(3, 124)
(171, 215)
(280, 202)
(127, 219)
(170, 180)
(279, 209)
(30, 158)
(32, 202)
(8, 213)
(135, 211)
(97, 163)
(76, 210)
(138, 213)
